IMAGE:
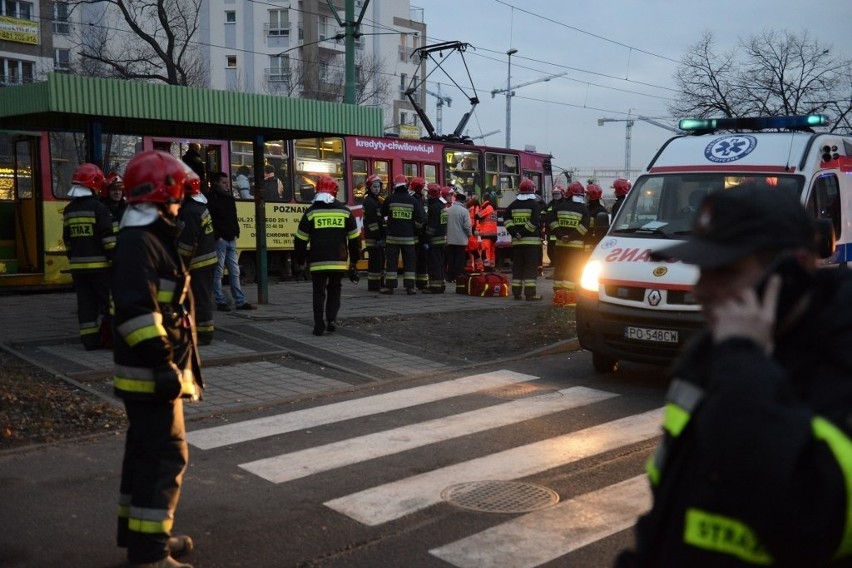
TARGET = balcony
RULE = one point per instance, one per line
(277, 31)
(273, 75)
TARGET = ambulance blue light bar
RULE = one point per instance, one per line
(753, 123)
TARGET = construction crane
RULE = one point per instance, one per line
(510, 92)
(629, 133)
(439, 106)
(483, 136)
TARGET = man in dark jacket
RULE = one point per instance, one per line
(226, 229)
(435, 239)
(156, 359)
(522, 220)
(330, 229)
(756, 459)
(405, 218)
(192, 158)
(89, 240)
(374, 233)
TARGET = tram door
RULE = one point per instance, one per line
(20, 215)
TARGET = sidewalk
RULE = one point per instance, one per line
(258, 356)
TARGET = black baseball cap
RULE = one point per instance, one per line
(731, 224)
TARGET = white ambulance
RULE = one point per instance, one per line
(632, 308)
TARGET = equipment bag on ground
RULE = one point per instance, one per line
(478, 284)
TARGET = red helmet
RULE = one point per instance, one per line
(526, 187)
(399, 180)
(113, 179)
(327, 184)
(621, 186)
(558, 189)
(446, 192)
(594, 191)
(154, 177)
(434, 190)
(373, 178)
(89, 175)
(417, 184)
(576, 188)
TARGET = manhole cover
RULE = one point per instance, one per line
(500, 496)
(522, 391)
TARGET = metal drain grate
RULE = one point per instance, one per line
(522, 391)
(500, 496)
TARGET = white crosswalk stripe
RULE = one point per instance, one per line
(322, 458)
(540, 537)
(524, 541)
(391, 501)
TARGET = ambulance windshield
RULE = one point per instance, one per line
(666, 204)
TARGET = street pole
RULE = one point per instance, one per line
(350, 29)
(510, 53)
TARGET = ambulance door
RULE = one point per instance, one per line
(825, 202)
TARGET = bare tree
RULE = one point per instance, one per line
(152, 40)
(769, 74)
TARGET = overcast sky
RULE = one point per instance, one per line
(618, 56)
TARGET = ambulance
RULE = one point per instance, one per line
(633, 308)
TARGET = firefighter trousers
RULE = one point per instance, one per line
(525, 261)
(409, 262)
(327, 287)
(202, 292)
(436, 268)
(375, 267)
(155, 458)
(92, 290)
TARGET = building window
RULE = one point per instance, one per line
(323, 71)
(279, 69)
(15, 9)
(62, 59)
(230, 17)
(15, 72)
(322, 28)
(232, 60)
(60, 18)
(279, 23)
(403, 79)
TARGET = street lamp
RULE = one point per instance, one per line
(509, 94)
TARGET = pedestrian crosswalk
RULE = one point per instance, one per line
(523, 541)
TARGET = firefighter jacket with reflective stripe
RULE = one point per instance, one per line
(595, 233)
(153, 324)
(755, 466)
(522, 220)
(568, 221)
(333, 234)
(405, 217)
(196, 243)
(374, 225)
(486, 218)
(88, 234)
(436, 222)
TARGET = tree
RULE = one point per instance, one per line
(770, 74)
(150, 40)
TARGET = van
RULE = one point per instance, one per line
(633, 308)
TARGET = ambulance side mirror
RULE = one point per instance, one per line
(824, 237)
(601, 222)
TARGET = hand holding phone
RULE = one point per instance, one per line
(748, 315)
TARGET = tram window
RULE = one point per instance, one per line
(462, 170)
(430, 173)
(502, 171)
(314, 157)
(359, 179)
(410, 170)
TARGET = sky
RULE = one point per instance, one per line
(618, 56)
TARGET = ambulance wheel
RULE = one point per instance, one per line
(604, 364)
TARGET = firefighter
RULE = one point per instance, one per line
(112, 195)
(621, 187)
(156, 358)
(594, 193)
(435, 235)
(569, 223)
(522, 220)
(557, 194)
(87, 233)
(374, 234)
(197, 247)
(415, 189)
(330, 229)
(447, 196)
(405, 220)
(486, 219)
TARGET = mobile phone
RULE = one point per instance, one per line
(795, 281)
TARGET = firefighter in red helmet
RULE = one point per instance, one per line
(597, 228)
(156, 358)
(330, 229)
(622, 188)
(89, 239)
(405, 218)
(435, 239)
(421, 271)
(374, 233)
(522, 220)
(569, 224)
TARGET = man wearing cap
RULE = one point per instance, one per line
(755, 465)
(458, 233)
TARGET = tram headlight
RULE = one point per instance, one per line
(590, 280)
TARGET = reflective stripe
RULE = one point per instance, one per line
(329, 265)
(150, 521)
(401, 240)
(303, 236)
(841, 447)
(203, 261)
(654, 465)
(725, 536)
(142, 327)
(681, 400)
